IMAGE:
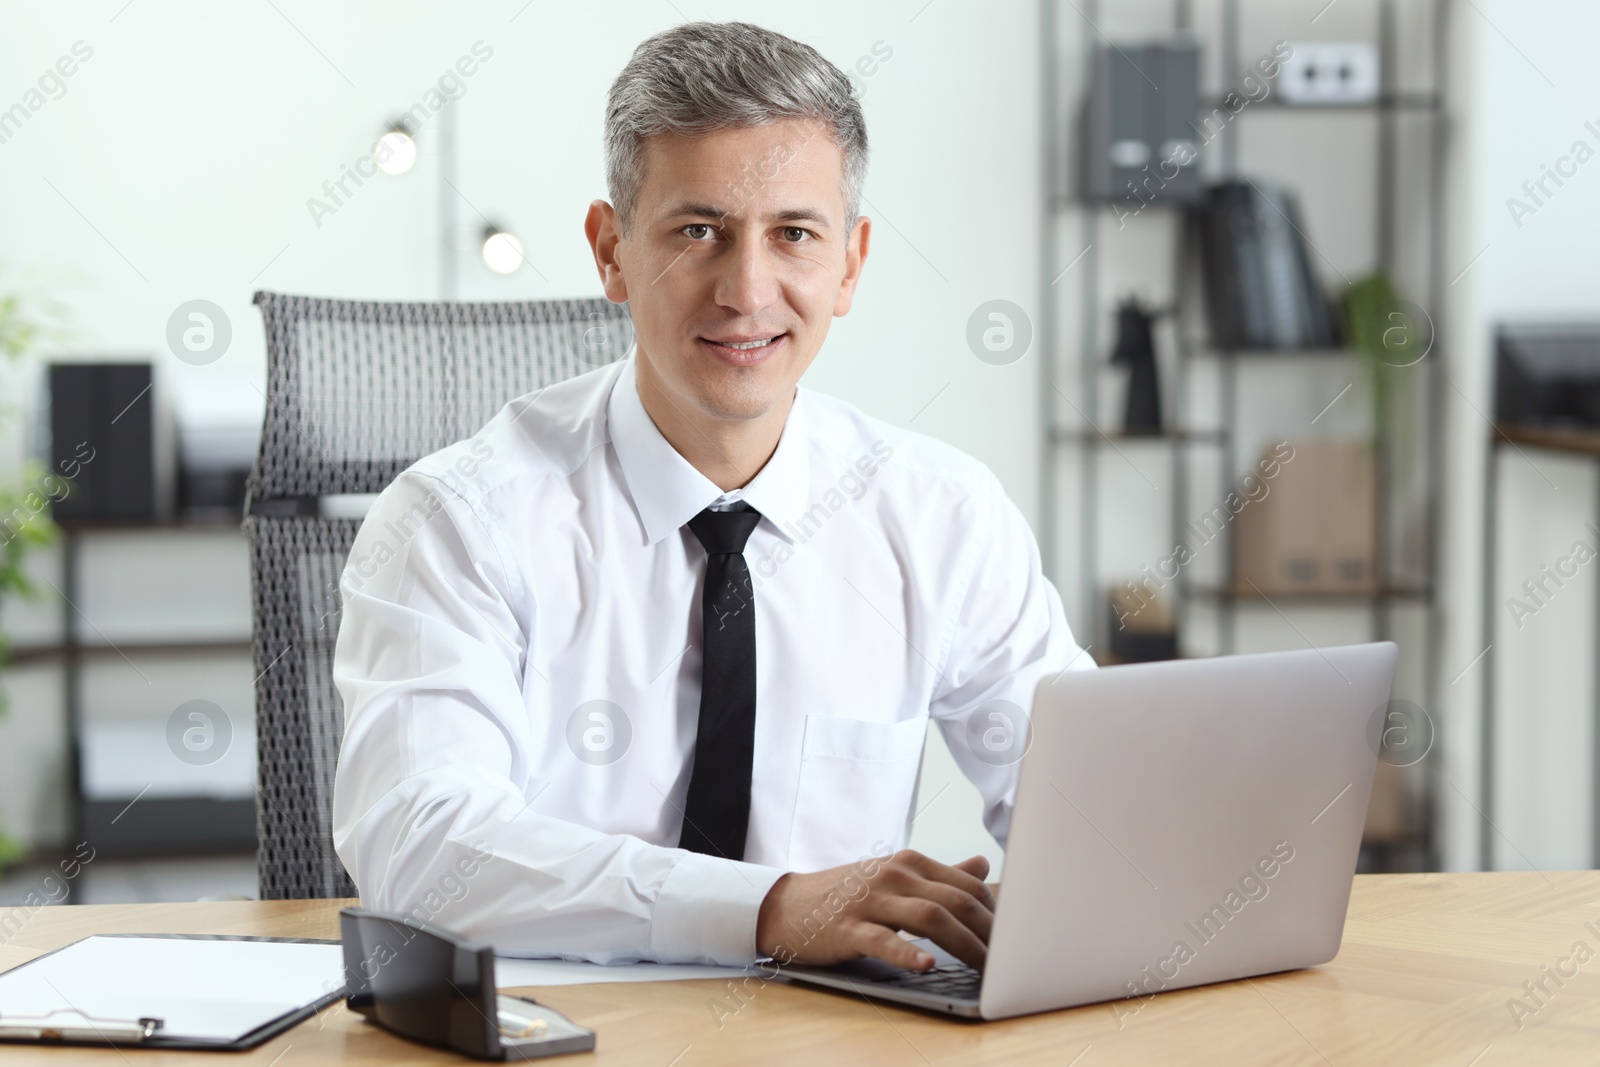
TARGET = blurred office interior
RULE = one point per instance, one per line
(1279, 320)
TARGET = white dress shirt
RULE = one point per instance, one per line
(519, 658)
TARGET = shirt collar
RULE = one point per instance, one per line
(668, 491)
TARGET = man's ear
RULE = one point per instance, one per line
(855, 257)
(605, 235)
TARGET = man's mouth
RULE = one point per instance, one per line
(745, 349)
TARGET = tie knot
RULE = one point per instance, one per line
(724, 533)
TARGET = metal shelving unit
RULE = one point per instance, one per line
(1087, 434)
(168, 825)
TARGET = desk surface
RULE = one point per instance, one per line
(1428, 967)
(1583, 441)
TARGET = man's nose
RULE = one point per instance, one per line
(748, 281)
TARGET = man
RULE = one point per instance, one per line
(652, 675)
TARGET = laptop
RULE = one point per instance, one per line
(1176, 823)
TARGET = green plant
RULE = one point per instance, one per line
(25, 525)
(25, 522)
(1383, 330)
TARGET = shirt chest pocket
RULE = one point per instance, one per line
(857, 782)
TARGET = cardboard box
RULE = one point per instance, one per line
(1142, 625)
(1388, 814)
(1313, 526)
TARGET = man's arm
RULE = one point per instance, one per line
(431, 809)
(1011, 633)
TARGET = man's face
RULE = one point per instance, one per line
(735, 264)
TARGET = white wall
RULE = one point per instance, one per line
(1526, 82)
(178, 164)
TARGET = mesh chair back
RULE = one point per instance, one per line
(356, 392)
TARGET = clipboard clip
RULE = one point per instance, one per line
(89, 1028)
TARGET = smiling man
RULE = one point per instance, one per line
(653, 681)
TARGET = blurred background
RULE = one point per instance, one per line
(1279, 320)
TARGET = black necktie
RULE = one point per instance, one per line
(717, 812)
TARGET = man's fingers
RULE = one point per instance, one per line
(929, 918)
(959, 876)
(880, 942)
(977, 866)
(971, 911)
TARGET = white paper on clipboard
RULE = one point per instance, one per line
(202, 989)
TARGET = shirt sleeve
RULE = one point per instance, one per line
(432, 812)
(1009, 633)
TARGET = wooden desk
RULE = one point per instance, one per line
(1428, 966)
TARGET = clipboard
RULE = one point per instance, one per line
(62, 1006)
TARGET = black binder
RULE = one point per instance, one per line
(1262, 290)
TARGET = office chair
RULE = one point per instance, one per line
(356, 392)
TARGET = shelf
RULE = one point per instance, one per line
(1419, 593)
(169, 825)
(1424, 102)
(173, 525)
(1077, 435)
(1206, 350)
(1062, 202)
(35, 653)
(1578, 440)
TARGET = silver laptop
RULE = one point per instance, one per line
(1176, 823)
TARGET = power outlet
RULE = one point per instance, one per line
(1330, 72)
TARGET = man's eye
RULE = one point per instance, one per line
(696, 231)
(795, 234)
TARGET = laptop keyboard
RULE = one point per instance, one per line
(950, 980)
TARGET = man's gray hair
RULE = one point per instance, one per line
(704, 76)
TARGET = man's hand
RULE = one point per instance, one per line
(844, 913)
